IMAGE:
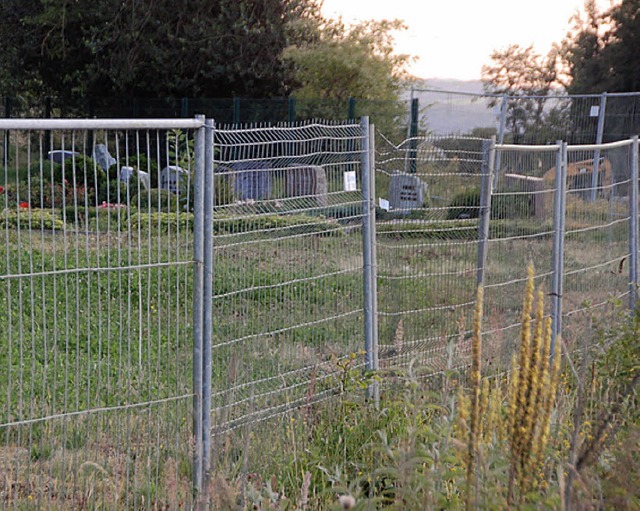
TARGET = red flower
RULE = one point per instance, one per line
(24, 204)
(1, 189)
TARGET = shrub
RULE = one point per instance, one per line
(226, 224)
(465, 205)
(30, 218)
(156, 199)
(503, 205)
(162, 221)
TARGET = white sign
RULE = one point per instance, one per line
(384, 203)
(595, 111)
(350, 184)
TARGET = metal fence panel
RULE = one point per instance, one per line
(427, 249)
(96, 285)
(287, 270)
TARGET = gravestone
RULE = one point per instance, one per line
(307, 181)
(406, 192)
(252, 180)
(171, 178)
(102, 157)
(58, 155)
(126, 173)
(534, 200)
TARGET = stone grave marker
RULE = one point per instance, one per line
(102, 157)
(171, 178)
(252, 180)
(406, 192)
(307, 181)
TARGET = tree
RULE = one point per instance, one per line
(79, 49)
(581, 52)
(354, 62)
(526, 78)
(600, 52)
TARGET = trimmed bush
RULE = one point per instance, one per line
(467, 205)
(162, 221)
(156, 199)
(30, 218)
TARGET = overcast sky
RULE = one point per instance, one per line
(454, 38)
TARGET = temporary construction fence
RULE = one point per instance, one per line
(527, 119)
(470, 212)
(128, 338)
(169, 288)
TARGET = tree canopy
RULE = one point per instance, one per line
(80, 49)
(600, 52)
(525, 78)
(151, 48)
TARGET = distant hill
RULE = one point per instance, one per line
(473, 86)
(446, 108)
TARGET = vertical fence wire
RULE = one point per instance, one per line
(116, 328)
(94, 272)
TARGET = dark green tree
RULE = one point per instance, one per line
(352, 62)
(78, 49)
(600, 52)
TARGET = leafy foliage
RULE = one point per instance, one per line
(525, 78)
(358, 61)
(600, 52)
(150, 48)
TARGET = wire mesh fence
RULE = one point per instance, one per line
(288, 259)
(566, 209)
(171, 289)
(95, 307)
(521, 119)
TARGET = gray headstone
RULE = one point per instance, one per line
(126, 173)
(252, 180)
(406, 192)
(307, 180)
(171, 177)
(59, 155)
(102, 157)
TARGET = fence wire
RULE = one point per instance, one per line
(288, 281)
(430, 244)
(168, 287)
(95, 307)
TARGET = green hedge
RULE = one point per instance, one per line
(30, 218)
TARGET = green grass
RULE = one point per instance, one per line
(96, 313)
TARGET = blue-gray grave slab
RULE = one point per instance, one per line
(252, 180)
(102, 157)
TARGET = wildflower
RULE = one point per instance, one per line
(1, 189)
(24, 205)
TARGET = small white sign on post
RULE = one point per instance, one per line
(384, 203)
(595, 111)
(350, 184)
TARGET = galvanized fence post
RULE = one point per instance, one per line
(561, 183)
(501, 129)
(375, 390)
(207, 308)
(198, 294)
(596, 155)
(368, 241)
(633, 227)
(484, 213)
(559, 212)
